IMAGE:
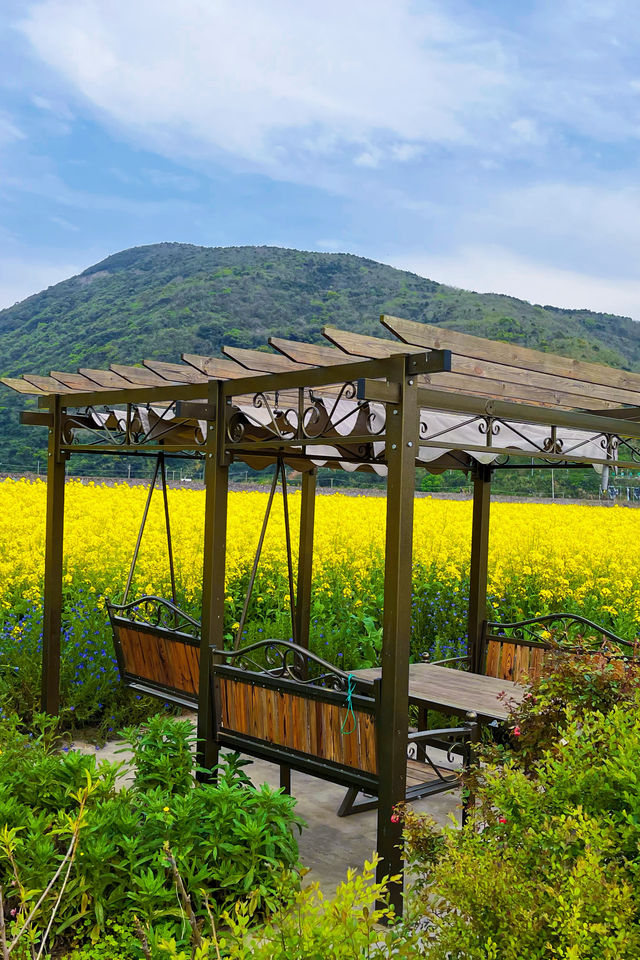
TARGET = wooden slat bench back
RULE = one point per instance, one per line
(517, 651)
(155, 653)
(274, 712)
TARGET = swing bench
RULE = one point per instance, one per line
(157, 644)
(278, 702)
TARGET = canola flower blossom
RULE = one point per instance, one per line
(543, 558)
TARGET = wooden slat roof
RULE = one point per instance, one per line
(482, 368)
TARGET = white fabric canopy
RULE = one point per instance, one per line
(341, 419)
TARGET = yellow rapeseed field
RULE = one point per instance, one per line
(543, 557)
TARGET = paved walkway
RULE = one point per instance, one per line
(330, 844)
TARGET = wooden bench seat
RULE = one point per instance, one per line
(276, 701)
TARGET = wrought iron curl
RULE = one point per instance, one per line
(561, 631)
(155, 612)
(488, 426)
(260, 400)
(236, 426)
(283, 659)
(553, 445)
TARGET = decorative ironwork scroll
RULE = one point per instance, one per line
(283, 659)
(154, 611)
(562, 630)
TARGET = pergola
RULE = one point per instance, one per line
(427, 397)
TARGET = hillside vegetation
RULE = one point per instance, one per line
(168, 298)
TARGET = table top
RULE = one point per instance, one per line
(456, 690)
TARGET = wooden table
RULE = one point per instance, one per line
(456, 691)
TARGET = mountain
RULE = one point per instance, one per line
(168, 298)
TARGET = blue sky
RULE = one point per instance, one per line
(492, 145)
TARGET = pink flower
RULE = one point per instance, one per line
(395, 818)
(516, 731)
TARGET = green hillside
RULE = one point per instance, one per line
(168, 298)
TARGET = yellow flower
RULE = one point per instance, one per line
(166, 809)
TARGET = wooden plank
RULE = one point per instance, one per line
(536, 663)
(215, 367)
(260, 361)
(507, 661)
(140, 376)
(558, 389)
(310, 354)
(175, 372)
(455, 690)
(492, 662)
(584, 393)
(469, 377)
(75, 381)
(361, 345)
(104, 378)
(188, 658)
(426, 335)
(22, 386)
(418, 773)
(521, 663)
(369, 746)
(46, 384)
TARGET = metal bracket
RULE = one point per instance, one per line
(195, 411)
(433, 361)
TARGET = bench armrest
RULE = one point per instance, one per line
(423, 736)
(424, 657)
(441, 663)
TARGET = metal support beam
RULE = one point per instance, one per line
(52, 613)
(401, 445)
(479, 562)
(305, 558)
(216, 476)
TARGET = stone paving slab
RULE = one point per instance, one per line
(329, 845)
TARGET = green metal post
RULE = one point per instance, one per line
(479, 563)
(216, 474)
(305, 557)
(401, 450)
(54, 544)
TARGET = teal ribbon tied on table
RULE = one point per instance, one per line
(349, 721)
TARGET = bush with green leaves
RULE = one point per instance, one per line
(549, 865)
(306, 926)
(231, 841)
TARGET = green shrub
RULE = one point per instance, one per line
(549, 865)
(231, 841)
(570, 688)
(307, 926)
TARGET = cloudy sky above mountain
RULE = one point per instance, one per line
(488, 144)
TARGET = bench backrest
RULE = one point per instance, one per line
(517, 651)
(155, 653)
(273, 712)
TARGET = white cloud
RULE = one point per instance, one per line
(9, 132)
(494, 269)
(240, 77)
